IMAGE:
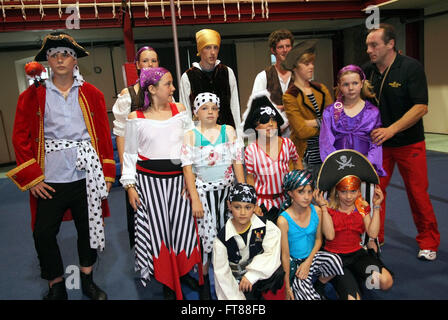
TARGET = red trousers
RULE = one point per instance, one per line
(411, 162)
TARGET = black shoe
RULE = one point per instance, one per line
(204, 290)
(320, 289)
(90, 289)
(168, 294)
(191, 282)
(57, 292)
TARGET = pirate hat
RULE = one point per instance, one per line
(343, 163)
(260, 110)
(59, 39)
(307, 46)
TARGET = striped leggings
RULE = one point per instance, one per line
(324, 264)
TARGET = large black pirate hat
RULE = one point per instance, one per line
(342, 163)
(260, 110)
(307, 46)
(59, 39)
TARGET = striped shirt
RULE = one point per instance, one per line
(268, 173)
(312, 153)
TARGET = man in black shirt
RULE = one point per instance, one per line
(402, 97)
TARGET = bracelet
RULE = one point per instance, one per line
(128, 186)
(376, 207)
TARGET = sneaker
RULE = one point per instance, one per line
(427, 255)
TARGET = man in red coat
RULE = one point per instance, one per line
(64, 157)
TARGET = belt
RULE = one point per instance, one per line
(270, 196)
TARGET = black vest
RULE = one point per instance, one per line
(273, 84)
(255, 245)
(134, 98)
(217, 82)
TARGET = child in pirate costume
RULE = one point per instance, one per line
(346, 216)
(210, 75)
(268, 158)
(301, 225)
(166, 240)
(208, 153)
(304, 103)
(64, 158)
(347, 123)
(127, 101)
(246, 252)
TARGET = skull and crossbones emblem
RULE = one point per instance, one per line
(344, 162)
(268, 110)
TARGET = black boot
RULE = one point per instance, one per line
(204, 290)
(90, 289)
(168, 294)
(191, 282)
(57, 291)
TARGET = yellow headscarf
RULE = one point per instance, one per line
(207, 37)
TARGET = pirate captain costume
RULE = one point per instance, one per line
(76, 160)
(344, 170)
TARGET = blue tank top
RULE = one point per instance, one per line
(301, 240)
(201, 141)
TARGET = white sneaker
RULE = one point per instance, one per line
(427, 255)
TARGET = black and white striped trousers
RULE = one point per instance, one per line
(324, 264)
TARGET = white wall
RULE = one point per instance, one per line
(436, 68)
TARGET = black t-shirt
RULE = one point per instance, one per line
(404, 87)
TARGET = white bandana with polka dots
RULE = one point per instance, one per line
(67, 50)
(87, 160)
(203, 98)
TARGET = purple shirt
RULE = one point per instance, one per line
(339, 131)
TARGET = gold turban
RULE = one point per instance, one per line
(207, 37)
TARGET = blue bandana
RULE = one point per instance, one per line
(293, 180)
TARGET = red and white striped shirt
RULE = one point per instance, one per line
(268, 174)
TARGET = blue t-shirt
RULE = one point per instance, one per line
(301, 240)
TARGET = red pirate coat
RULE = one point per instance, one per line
(29, 143)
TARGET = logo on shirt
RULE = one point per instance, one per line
(395, 84)
(344, 163)
(258, 236)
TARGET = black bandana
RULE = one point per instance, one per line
(243, 192)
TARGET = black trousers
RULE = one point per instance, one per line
(49, 216)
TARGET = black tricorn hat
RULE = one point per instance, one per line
(307, 46)
(342, 163)
(261, 107)
(59, 39)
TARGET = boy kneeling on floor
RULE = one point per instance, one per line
(246, 252)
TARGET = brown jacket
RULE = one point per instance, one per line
(299, 108)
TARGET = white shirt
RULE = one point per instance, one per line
(153, 139)
(261, 82)
(121, 110)
(261, 267)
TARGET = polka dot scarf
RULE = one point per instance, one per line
(203, 98)
(87, 160)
